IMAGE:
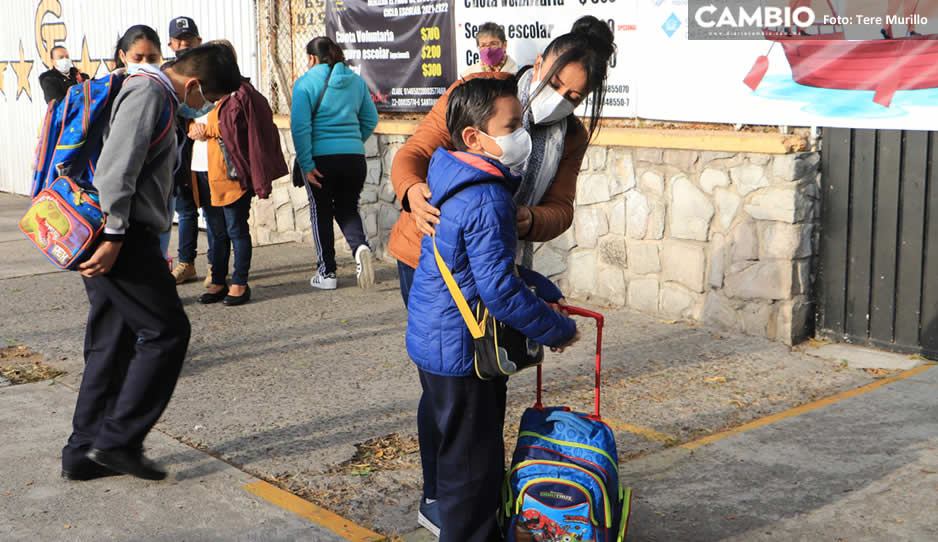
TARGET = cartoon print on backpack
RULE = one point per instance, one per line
(556, 522)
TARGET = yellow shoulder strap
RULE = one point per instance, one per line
(474, 328)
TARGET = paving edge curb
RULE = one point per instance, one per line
(318, 515)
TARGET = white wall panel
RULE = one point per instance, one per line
(99, 24)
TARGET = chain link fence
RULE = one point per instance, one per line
(284, 29)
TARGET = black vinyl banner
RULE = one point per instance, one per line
(402, 48)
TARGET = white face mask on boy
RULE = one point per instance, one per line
(515, 146)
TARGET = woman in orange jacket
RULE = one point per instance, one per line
(227, 208)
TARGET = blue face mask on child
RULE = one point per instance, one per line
(186, 111)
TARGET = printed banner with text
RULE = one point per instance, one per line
(531, 24)
(857, 64)
(402, 48)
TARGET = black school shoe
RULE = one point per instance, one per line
(128, 462)
(235, 300)
(87, 470)
(208, 298)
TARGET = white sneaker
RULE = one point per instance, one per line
(364, 264)
(327, 282)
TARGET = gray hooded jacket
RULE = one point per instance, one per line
(135, 176)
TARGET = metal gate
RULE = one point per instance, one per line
(878, 278)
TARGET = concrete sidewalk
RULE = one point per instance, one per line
(303, 387)
(862, 469)
(202, 499)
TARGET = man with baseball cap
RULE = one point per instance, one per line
(183, 34)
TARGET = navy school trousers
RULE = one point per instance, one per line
(135, 343)
(467, 417)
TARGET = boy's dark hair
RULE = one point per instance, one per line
(473, 104)
(213, 64)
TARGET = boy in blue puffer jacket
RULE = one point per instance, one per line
(476, 238)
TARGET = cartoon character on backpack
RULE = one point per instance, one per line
(533, 526)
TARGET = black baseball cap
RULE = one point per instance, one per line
(182, 25)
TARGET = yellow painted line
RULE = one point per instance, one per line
(645, 432)
(316, 514)
(805, 408)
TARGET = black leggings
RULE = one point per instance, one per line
(342, 182)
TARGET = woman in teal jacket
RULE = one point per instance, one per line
(332, 116)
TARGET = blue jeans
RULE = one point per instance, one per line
(229, 227)
(188, 215)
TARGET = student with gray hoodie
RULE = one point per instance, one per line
(137, 331)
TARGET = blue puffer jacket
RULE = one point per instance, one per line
(476, 238)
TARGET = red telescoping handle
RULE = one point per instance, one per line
(577, 311)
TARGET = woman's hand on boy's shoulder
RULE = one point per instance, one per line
(425, 215)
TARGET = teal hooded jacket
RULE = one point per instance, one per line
(345, 119)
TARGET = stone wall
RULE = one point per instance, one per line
(728, 239)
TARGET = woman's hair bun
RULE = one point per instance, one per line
(597, 32)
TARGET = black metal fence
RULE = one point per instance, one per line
(878, 279)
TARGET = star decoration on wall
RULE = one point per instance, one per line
(3, 68)
(86, 64)
(109, 63)
(22, 69)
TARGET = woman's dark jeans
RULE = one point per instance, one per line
(229, 226)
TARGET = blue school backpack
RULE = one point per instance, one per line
(65, 216)
(563, 484)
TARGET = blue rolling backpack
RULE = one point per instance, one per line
(563, 484)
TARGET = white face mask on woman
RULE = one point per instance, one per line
(133, 68)
(515, 147)
(549, 106)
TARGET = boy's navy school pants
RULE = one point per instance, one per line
(468, 417)
(135, 343)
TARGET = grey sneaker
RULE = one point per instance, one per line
(327, 282)
(365, 269)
